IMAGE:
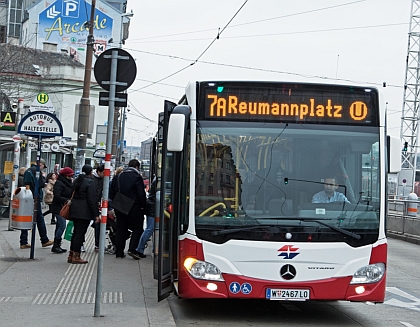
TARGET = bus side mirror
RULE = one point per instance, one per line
(394, 154)
(176, 131)
(177, 128)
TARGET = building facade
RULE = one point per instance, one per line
(48, 40)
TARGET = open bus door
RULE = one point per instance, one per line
(167, 242)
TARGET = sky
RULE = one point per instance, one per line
(360, 42)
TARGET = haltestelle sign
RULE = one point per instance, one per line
(40, 123)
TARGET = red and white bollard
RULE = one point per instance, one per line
(411, 205)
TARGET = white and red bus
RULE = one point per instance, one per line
(238, 164)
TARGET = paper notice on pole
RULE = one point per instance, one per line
(8, 167)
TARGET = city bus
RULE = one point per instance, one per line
(238, 164)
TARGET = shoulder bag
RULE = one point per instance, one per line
(65, 210)
(121, 202)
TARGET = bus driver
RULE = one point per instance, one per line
(329, 194)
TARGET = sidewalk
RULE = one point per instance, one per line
(47, 291)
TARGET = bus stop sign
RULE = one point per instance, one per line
(126, 69)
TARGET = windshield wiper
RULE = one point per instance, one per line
(234, 230)
(337, 229)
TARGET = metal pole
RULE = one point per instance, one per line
(16, 155)
(84, 108)
(36, 198)
(107, 172)
(122, 137)
(115, 134)
(28, 154)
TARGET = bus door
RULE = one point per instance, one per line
(167, 242)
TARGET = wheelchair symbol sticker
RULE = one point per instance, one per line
(246, 288)
(235, 287)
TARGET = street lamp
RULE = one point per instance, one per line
(129, 15)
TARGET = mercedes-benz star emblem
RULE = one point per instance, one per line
(288, 272)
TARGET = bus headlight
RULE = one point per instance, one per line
(369, 274)
(202, 270)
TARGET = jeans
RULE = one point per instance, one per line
(146, 234)
(60, 226)
(42, 230)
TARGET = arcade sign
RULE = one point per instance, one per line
(40, 124)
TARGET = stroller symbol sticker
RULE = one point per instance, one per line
(235, 287)
(246, 288)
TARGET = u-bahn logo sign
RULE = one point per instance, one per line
(40, 123)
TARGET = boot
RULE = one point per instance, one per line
(76, 258)
(70, 257)
(57, 246)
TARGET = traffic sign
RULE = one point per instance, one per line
(99, 153)
(120, 99)
(42, 102)
(45, 147)
(16, 138)
(41, 124)
(126, 69)
(55, 147)
(32, 145)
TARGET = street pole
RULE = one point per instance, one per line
(84, 108)
(122, 137)
(115, 134)
(28, 154)
(107, 173)
(119, 154)
(16, 156)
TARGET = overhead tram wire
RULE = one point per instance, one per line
(195, 61)
(262, 70)
(139, 113)
(283, 33)
(255, 22)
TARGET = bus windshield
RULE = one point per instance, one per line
(279, 182)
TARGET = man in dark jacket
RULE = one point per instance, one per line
(29, 178)
(129, 183)
(62, 193)
(97, 176)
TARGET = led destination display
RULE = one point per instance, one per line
(292, 103)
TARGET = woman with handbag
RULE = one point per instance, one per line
(62, 192)
(82, 210)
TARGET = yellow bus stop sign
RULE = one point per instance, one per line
(42, 102)
(42, 98)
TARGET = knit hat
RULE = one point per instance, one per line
(42, 161)
(66, 171)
